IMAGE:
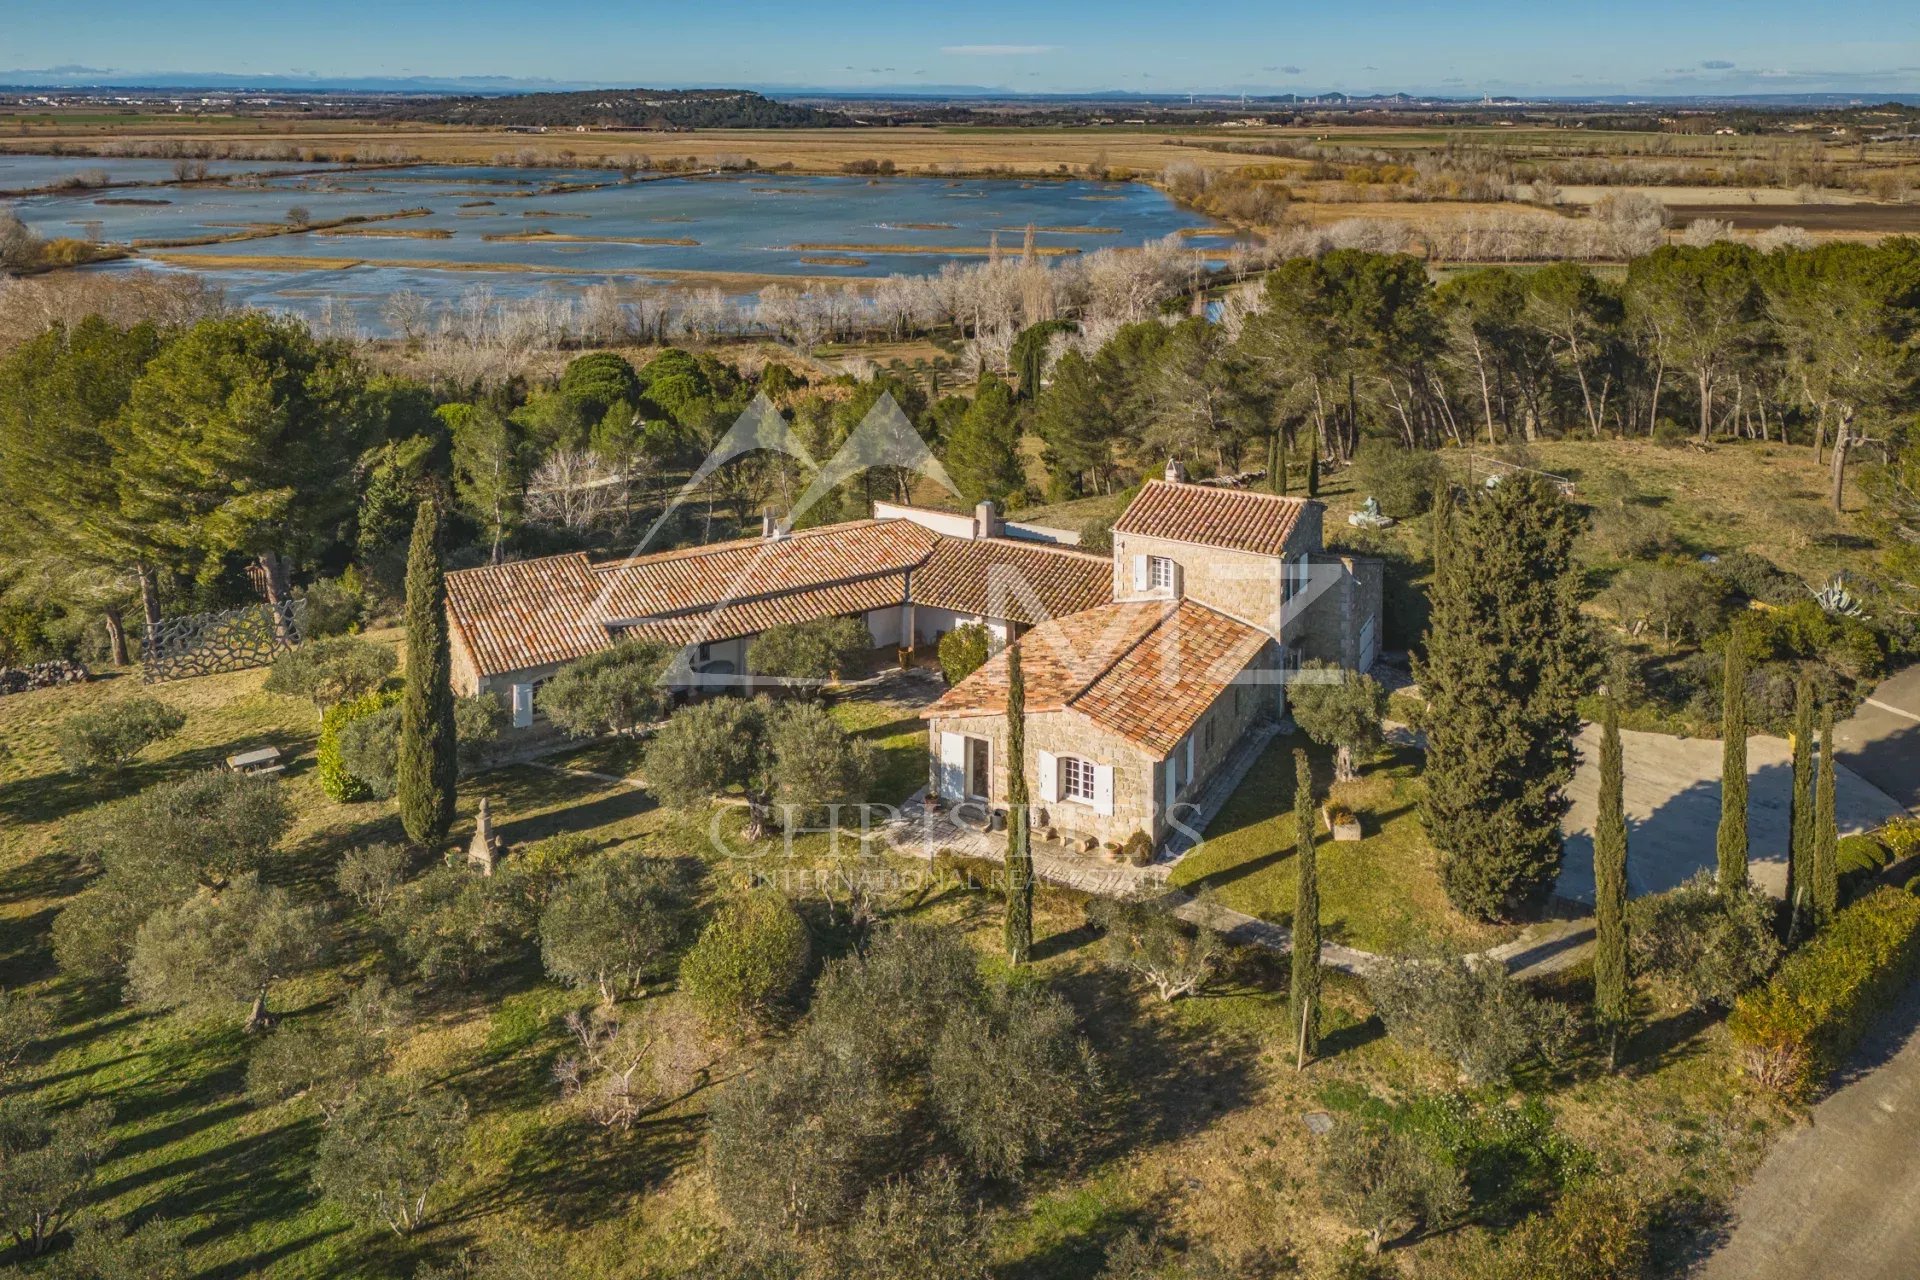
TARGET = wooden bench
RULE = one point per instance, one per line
(263, 761)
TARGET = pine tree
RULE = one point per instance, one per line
(1019, 922)
(426, 767)
(1731, 843)
(1507, 660)
(1825, 893)
(1313, 462)
(1611, 994)
(1303, 992)
(1800, 814)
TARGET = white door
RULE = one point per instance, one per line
(522, 705)
(953, 767)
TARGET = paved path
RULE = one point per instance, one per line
(1672, 789)
(1881, 741)
(1840, 1195)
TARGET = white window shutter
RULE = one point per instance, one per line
(1103, 789)
(1140, 573)
(522, 705)
(1049, 767)
(953, 766)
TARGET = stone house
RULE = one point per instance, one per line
(909, 574)
(1218, 596)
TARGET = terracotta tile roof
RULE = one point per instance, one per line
(1024, 581)
(1143, 670)
(1236, 518)
(725, 573)
(750, 616)
(526, 613)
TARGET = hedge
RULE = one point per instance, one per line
(1796, 1030)
(334, 778)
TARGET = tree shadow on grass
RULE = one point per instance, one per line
(1170, 1080)
(571, 1174)
(1665, 1040)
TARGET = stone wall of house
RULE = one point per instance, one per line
(1329, 628)
(1064, 733)
(1138, 779)
(1243, 584)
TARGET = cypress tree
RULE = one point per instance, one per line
(1019, 922)
(1303, 991)
(424, 781)
(1313, 462)
(1731, 844)
(1506, 662)
(1611, 994)
(1826, 833)
(1277, 462)
(1800, 813)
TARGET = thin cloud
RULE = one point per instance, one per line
(996, 50)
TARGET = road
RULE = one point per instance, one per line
(1881, 741)
(1840, 1196)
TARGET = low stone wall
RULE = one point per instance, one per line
(42, 675)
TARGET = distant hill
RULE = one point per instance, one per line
(624, 109)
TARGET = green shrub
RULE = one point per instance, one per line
(116, 733)
(336, 779)
(335, 606)
(1859, 859)
(1901, 836)
(1794, 1031)
(963, 651)
(747, 961)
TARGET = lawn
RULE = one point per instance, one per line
(1381, 893)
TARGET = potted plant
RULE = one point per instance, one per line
(1341, 821)
(1138, 850)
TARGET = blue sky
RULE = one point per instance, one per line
(1439, 46)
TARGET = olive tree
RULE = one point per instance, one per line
(614, 926)
(1473, 1013)
(329, 1059)
(47, 1163)
(217, 954)
(795, 754)
(1385, 1182)
(200, 832)
(1703, 944)
(332, 670)
(1149, 943)
(109, 737)
(810, 651)
(612, 691)
(1338, 708)
(24, 1021)
(389, 1149)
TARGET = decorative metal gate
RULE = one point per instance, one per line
(205, 644)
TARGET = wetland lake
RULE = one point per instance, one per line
(442, 230)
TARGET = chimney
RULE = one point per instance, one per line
(986, 521)
(772, 527)
(1176, 471)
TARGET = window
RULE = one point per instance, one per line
(1206, 738)
(1076, 778)
(1293, 578)
(1160, 573)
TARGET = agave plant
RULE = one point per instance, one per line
(1836, 599)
